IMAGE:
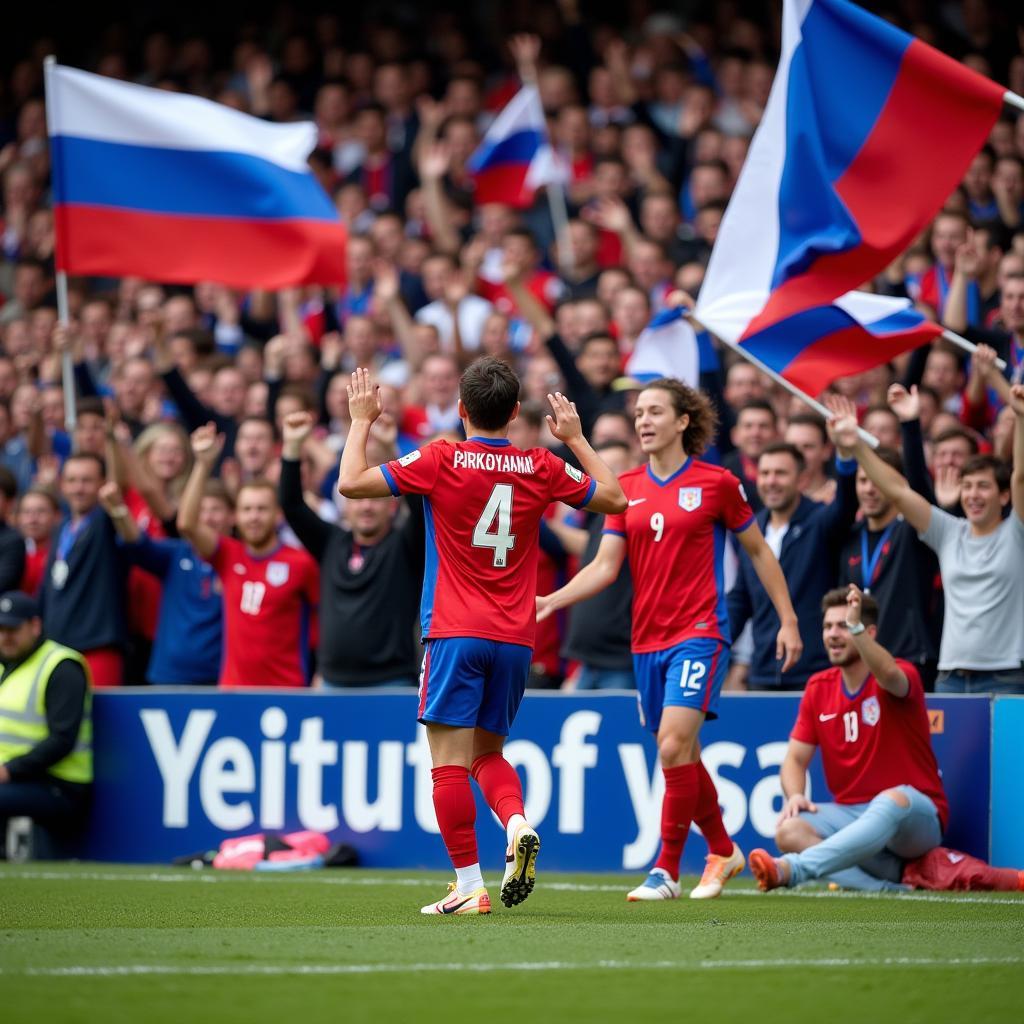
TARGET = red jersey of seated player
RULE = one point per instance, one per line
(675, 531)
(870, 740)
(267, 605)
(484, 500)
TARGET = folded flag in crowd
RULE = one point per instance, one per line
(177, 188)
(667, 347)
(515, 158)
(866, 132)
(814, 347)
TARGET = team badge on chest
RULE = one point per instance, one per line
(871, 711)
(277, 573)
(690, 498)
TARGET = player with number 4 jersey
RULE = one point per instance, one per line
(674, 533)
(483, 501)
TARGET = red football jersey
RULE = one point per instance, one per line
(484, 502)
(266, 609)
(870, 741)
(675, 532)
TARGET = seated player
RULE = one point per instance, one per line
(483, 502)
(867, 714)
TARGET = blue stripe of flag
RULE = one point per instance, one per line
(518, 148)
(187, 182)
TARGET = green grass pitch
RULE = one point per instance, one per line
(112, 943)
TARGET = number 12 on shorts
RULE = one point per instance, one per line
(692, 674)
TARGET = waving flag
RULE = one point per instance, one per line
(515, 158)
(866, 132)
(667, 347)
(814, 347)
(177, 188)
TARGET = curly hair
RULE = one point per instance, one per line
(687, 401)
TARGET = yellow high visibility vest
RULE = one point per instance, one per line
(23, 712)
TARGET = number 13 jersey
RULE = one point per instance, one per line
(675, 531)
(483, 502)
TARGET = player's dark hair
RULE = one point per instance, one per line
(784, 448)
(762, 405)
(837, 598)
(687, 401)
(952, 433)
(809, 419)
(489, 390)
(981, 463)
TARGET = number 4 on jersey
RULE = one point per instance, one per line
(498, 513)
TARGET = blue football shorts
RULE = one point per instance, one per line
(687, 675)
(471, 682)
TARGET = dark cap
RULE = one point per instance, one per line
(16, 608)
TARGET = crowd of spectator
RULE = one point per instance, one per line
(141, 528)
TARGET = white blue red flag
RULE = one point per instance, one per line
(177, 188)
(515, 158)
(866, 133)
(666, 347)
(814, 347)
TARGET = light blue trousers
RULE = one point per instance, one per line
(864, 845)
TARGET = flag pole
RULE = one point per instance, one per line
(820, 409)
(63, 309)
(560, 220)
(969, 346)
(1013, 100)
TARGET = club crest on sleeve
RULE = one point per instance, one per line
(690, 498)
(407, 460)
(871, 711)
(277, 573)
(574, 473)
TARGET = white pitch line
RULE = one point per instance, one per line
(276, 970)
(361, 880)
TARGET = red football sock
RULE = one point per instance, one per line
(456, 813)
(682, 787)
(1004, 879)
(500, 785)
(709, 815)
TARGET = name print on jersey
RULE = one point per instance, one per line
(493, 462)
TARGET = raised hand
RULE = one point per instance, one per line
(385, 281)
(612, 215)
(525, 50)
(565, 425)
(906, 404)
(110, 496)
(294, 431)
(968, 260)
(983, 361)
(947, 486)
(364, 401)
(842, 427)
(854, 602)
(207, 444)
(434, 161)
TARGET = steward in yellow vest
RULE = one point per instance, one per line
(45, 723)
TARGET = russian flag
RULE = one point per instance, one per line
(666, 347)
(866, 132)
(816, 346)
(514, 158)
(177, 188)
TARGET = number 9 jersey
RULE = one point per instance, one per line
(675, 531)
(483, 502)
